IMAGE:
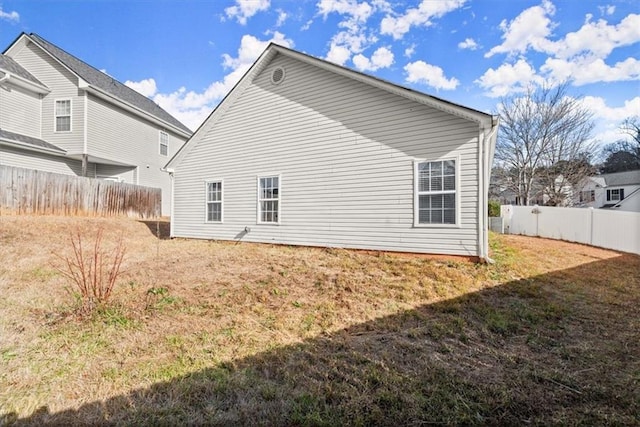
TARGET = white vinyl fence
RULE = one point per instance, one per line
(605, 228)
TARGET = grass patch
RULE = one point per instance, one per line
(218, 333)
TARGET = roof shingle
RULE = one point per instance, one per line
(9, 64)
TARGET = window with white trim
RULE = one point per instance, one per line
(164, 143)
(615, 195)
(435, 192)
(269, 199)
(214, 201)
(63, 115)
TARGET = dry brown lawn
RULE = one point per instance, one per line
(202, 332)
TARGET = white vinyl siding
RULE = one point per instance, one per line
(63, 85)
(164, 143)
(62, 112)
(19, 158)
(214, 206)
(347, 151)
(111, 135)
(20, 111)
(269, 199)
(435, 193)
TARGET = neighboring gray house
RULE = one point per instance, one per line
(59, 114)
(306, 152)
(620, 191)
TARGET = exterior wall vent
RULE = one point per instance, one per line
(277, 75)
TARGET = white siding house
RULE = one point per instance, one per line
(59, 114)
(619, 191)
(305, 152)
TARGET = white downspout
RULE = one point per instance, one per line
(171, 199)
(485, 191)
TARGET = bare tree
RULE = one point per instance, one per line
(624, 154)
(542, 133)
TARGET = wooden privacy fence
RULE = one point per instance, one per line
(26, 191)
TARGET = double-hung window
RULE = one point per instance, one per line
(435, 193)
(164, 143)
(615, 195)
(269, 199)
(214, 201)
(63, 115)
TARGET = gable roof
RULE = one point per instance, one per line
(485, 120)
(105, 83)
(623, 178)
(620, 178)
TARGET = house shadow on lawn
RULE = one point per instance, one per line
(559, 348)
(160, 228)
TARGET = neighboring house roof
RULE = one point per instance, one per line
(486, 120)
(9, 65)
(29, 142)
(620, 178)
(106, 83)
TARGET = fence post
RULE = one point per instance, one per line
(591, 210)
(536, 212)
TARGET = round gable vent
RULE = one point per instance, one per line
(277, 75)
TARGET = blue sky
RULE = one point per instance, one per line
(186, 55)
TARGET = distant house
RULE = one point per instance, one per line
(619, 191)
(59, 114)
(306, 152)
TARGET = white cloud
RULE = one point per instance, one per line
(146, 87)
(398, 26)
(191, 107)
(251, 48)
(282, 17)
(530, 29)
(601, 110)
(577, 57)
(338, 54)
(245, 9)
(431, 75)
(408, 52)
(508, 78)
(381, 58)
(610, 117)
(9, 16)
(586, 70)
(468, 43)
(306, 25)
(352, 38)
(607, 10)
(597, 38)
(358, 11)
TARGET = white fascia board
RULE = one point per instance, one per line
(23, 83)
(129, 107)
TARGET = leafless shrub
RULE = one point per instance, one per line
(93, 271)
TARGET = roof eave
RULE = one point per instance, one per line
(23, 83)
(23, 145)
